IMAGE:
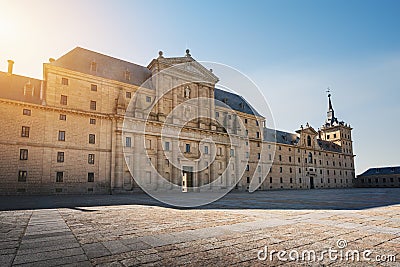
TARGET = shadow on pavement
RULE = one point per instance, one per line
(318, 199)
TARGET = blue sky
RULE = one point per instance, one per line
(293, 50)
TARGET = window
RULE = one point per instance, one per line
(128, 94)
(148, 99)
(247, 167)
(166, 146)
(290, 170)
(22, 176)
(308, 140)
(248, 180)
(23, 154)
(93, 66)
(60, 156)
(299, 180)
(93, 87)
(61, 135)
(90, 177)
(219, 151)
(247, 155)
(217, 114)
(280, 157)
(291, 180)
(59, 177)
(92, 121)
(281, 180)
(64, 100)
(258, 156)
(334, 135)
(91, 158)
(327, 137)
(258, 135)
(93, 105)
(25, 131)
(280, 169)
(290, 159)
(270, 180)
(92, 139)
(26, 112)
(245, 120)
(64, 81)
(63, 117)
(257, 123)
(269, 157)
(247, 132)
(128, 141)
(187, 148)
(299, 170)
(127, 75)
(205, 149)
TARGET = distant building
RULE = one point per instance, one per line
(379, 177)
(63, 134)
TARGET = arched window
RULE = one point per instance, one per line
(308, 140)
(310, 157)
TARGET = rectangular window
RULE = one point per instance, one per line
(280, 157)
(64, 100)
(166, 146)
(60, 156)
(248, 180)
(92, 139)
(187, 148)
(25, 131)
(92, 121)
(217, 114)
(91, 158)
(128, 141)
(258, 135)
(93, 87)
(247, 155)
(64, 81)
(270, 180)
(148, 99)
(128, 94)
(59, 177)
(205, 149)
(280, 169)
(290, 159)
(93, 105)
(90, 177)
(245, 120)
(258, 156)
(61, 135)
(257, 123)
(247, 167)
(26, 112)
(269, 157)
(232, 152)
(22, 176)
(23, 154)
(63, 117)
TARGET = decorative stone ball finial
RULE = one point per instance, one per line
(160, 53)
(188, 53)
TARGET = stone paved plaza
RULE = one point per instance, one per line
(129, 230)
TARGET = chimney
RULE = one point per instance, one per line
(51, 60)
(10, 66)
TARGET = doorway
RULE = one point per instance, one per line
(312, 183)
(187, 179)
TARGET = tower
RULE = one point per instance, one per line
(337, 131)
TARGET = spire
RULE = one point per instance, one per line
(330, 120)
(330, 103)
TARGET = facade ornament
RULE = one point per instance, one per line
(187, 92)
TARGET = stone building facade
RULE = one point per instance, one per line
(74, 132)
(379, 177)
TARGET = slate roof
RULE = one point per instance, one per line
(329, 146)
(280, 137)
(234, 101)
(380, 171)
(80, 60)
(20, 88)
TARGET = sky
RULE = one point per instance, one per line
(292, 50)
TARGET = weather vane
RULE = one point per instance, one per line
(328, 90)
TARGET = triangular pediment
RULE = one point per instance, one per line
(184, 66)
(309, 130)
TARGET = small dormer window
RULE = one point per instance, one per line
(225, 100)
(127, 75)
(93, 66)
(29, 89)
(241, 105)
